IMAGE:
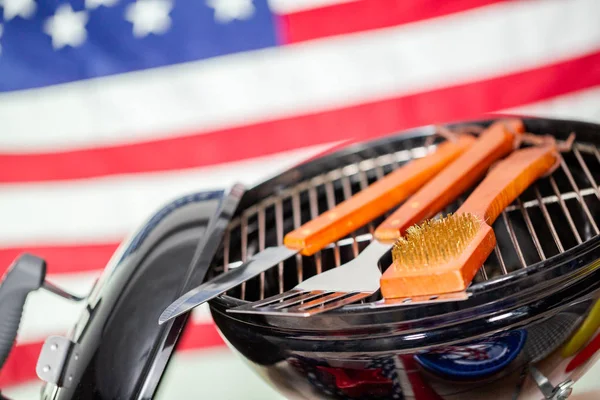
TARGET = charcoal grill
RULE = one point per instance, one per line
(527, 331)
(528, 299)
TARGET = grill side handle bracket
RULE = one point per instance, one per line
(561, 391)
(56, 361)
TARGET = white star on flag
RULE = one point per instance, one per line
(228, 10)
(22, 8)
(93, 4)
(67, 27)
(149, 16)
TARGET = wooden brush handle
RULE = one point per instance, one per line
(507, 180)
(494, 143)
(375, 200)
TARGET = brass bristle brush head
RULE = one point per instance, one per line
(442, 256)
(436, 241)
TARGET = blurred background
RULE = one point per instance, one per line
(110, 108)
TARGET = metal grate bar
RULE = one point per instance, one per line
(586, 209)
(483, 273)
(546, 215)
(587, 172)
(347, 190)
(500, 259)
(313, 202)
(314, 212)
(297, 223)
(330, 195)
(279, 233)
(379, 171)
(513, 239)
(362, 176)
(565, 210)
(531, 229)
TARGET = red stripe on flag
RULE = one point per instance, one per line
(20, 365)
(366, 15)
(63, 259)
(364, 121)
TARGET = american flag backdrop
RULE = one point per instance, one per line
(110, 108)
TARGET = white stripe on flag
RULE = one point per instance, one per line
(105, 209)
(290, 6)
(323, 74)
(583, 106)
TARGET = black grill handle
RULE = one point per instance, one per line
(24, 276)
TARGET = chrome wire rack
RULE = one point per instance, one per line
(554, 215)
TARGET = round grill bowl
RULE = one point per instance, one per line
(528, 330)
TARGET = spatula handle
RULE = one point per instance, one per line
(507, 180)
(494, 143)
(375, 200)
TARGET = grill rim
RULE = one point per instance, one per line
(559, 128)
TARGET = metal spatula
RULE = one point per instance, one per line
(332, 225)
(360, 278)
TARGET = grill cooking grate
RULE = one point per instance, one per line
(552, 216)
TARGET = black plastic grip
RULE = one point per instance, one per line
(24, 276)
